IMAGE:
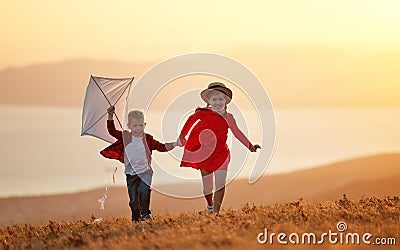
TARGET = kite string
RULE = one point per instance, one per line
(115, 171)
(102, 200)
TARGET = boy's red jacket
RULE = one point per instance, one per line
(116, 150)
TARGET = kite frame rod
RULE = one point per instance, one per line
(107, 98)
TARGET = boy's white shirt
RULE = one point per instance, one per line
(135, 157)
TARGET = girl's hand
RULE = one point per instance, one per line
(254, 148)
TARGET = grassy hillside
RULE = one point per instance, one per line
(234, 229)
(356, 177)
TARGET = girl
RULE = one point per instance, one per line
(206, 147)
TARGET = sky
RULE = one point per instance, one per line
(54, 30)
(303, 50)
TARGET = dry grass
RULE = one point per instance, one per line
(234, 229)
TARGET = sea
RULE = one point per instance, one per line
(43, 153)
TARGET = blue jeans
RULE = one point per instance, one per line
(139, 194)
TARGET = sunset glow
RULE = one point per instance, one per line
(41, 31)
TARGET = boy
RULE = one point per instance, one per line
(134, 148)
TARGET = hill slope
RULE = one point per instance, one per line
(249, 227)
(293, 76)
(59, 84)
(369, 176)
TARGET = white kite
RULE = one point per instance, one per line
(101, 93)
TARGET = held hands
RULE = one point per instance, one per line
(254, 148)
(177, 143)
(180, 143)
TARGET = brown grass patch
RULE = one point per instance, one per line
(233, 229)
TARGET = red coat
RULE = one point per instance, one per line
(206, 146)
(116, 150)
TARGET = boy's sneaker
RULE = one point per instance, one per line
(146, 218)
(210, 209)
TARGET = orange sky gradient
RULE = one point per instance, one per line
(48, 31)
(326, 53)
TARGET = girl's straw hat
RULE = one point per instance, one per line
(217, 86)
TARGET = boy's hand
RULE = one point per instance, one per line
(254, 148)
(111, 110)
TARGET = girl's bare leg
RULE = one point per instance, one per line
(207, 178)
(220, 180)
